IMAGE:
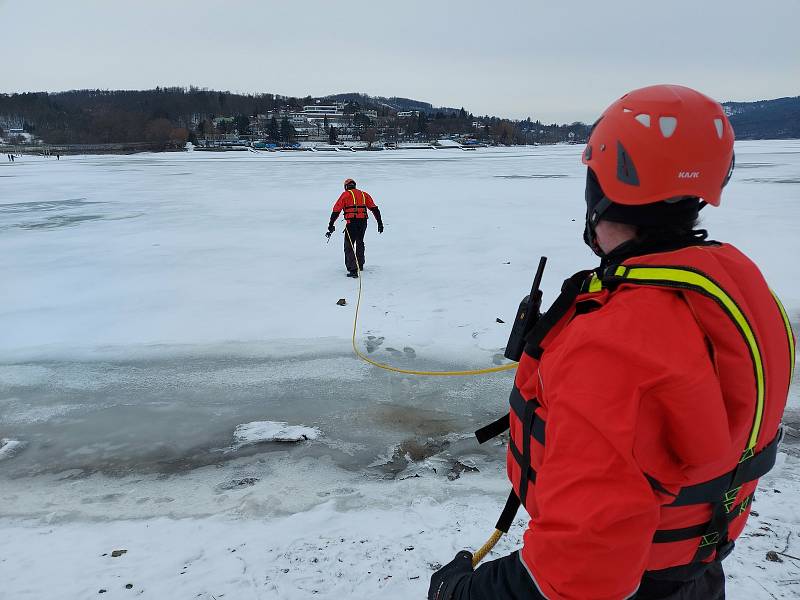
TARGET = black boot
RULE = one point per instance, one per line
(352, 274)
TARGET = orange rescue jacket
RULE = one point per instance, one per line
(645, 407)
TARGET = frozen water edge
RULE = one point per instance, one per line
(169, 416)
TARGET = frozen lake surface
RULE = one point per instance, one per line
(154, 303)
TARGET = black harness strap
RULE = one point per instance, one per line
(518, 458)
(681, 534)
(711, 491)
(526, 469)
(518, 405)
(493, 429)
(570, 290)
(508, 514)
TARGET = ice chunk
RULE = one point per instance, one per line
(9, 448)
(272, 431)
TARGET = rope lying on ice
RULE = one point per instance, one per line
(506, 367)
(481, 553)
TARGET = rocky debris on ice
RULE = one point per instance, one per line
(258, 432)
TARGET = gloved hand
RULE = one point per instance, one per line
(331, 228)
(446, 580)
(328, 235)
(380, 227)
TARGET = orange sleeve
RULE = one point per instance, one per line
(339, 206)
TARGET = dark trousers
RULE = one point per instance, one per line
(356, 230)
(709, 585)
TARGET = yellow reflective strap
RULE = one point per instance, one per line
(789, 334)
(692, 280)
(595, 284)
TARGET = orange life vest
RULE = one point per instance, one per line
(355, 207)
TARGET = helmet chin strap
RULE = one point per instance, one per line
(593, 216)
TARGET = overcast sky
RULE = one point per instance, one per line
(556, 60)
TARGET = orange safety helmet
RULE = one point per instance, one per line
(349, 184)
(662, 142)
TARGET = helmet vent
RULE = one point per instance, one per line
(718, 125)
(626, 172)
(644, 119)
(667, 125)
(626, 110)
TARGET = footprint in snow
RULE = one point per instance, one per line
(373, 343)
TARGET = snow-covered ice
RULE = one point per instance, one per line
(156, 304)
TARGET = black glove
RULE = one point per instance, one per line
(331, 228)
(446, 581)
(380, 227)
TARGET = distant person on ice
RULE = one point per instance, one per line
(648, 400)
(354, 203)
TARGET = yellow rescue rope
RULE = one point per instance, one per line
(486, 548)
(506, 367)
(481, 553)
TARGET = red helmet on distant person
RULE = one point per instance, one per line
(349, 184)
(662, 142)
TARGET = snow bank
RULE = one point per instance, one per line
(373, 540)
(272, 431)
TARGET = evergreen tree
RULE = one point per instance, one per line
(242, 125)
(332, 135)
(273, 131)
(422, 123)
(288, 131)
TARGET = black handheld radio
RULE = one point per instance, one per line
(527, 315)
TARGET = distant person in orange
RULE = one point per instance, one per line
(354, 203)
